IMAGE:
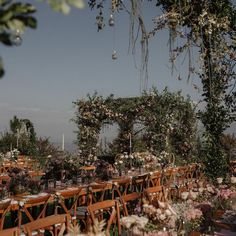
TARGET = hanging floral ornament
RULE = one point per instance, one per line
(111, 20)
(114, 55)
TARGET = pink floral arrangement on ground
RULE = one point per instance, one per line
(226, 194)
(192, 214)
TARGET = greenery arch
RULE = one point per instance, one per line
(168, 119)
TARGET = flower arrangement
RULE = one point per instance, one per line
(161, 217)
(134, 224)
(224, 199)
(103, 170)
(189, 217)
(22, 182)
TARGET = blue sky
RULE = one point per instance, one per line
(65, 58)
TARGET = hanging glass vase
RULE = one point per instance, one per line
(114, 55)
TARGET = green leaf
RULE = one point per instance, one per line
(28, 21)
(6, 16)
(19, 8)
(77, 3)
(16, 25)
(65, 8)
(1, 68)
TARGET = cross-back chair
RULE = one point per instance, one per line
(140, 182)
(97, 192)
(68, 202)
(54, 224)
(130, 202)
(154, 179)
(5, 207)
(120, 187)
(93, 194)
(155, 194)
(170, 181)
(10, 232)
(34, 208)
(108, 210)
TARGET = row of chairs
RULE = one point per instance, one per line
(71, 204)
(78, 203)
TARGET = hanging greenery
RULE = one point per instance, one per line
(168, 123)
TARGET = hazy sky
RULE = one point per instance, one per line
(65, 58)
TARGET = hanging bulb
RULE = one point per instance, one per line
(111, 20)
(114, 55)
(16, 38)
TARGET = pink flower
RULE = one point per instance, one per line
(226, 194)
(193, 214)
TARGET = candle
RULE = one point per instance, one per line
(63, 143)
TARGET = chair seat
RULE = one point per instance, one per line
(82, 211)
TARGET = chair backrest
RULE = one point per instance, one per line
(109, 209)
(39, 202)
(96, 192)
(68, 200)
(182, 175)
(10, 232)
(140, 182)
(130, 202)
(155, 179)
(169, 177)
(120, 187)
(155, 194)
(45, 223)
(5, 207)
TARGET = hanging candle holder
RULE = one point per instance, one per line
(111, 20)
(114, 55)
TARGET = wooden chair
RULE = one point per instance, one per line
(169, 180)
(182, 176)
(120, 187)
(10, 232)
(54, 223)
(140, 182)
(154, 179)
(68, 201)
(109, 209)
(5, 207)
(4, 179)
(95, 193)
(130, 202)
(155, 194)
(34, 208)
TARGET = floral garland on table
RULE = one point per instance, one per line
(137, 160)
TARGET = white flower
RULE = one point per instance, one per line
(121, 162)
(210, 189)
(162, 216)
(201, 190)
(127, 221)
(233, 180)
(161, 204)
(168, 212)
(184, 195)
(192, 195)
(219, 180)
(159, 211)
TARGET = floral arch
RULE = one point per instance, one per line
(168, 119)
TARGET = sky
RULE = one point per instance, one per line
(65, 58)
